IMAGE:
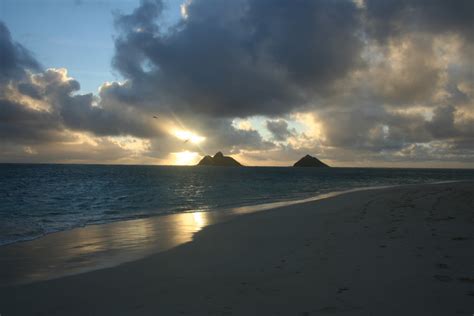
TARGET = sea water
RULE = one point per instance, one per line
(37, 199)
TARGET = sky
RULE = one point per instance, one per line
(364, 83)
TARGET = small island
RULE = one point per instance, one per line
(219, 160)
(310, 161)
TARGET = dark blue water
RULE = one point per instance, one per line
(40, 199)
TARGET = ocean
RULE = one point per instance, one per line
(38, 199)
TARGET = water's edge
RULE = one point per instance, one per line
(244, 209)
(37, 200)
(99, 246)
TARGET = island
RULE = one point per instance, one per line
(310, 161)
(219, 160)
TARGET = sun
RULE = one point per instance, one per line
(189, 136)
(185, 158)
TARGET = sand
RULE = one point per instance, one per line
(400, 251)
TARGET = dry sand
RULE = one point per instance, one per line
(400, 251)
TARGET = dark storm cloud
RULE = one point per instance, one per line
(238, 58)
(21, 124)
(443, 125)
(30, 90)
(142, 17)
(270, 57)
(314, 41)
(14, 58)
(279, 129)
(224, 135)
(389, 18)
(78, 113)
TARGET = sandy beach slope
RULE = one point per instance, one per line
(400, 251)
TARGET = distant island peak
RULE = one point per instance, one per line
(310, 161)
(219, 155)
(219, 160)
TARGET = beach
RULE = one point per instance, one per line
(407, 250)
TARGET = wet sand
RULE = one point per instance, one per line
(400, 251)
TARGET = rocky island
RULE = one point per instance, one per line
(219, 160)
(310, 161)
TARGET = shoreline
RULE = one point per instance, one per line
(397, 251)
(79, 250)
(237, 209)
(243, 209)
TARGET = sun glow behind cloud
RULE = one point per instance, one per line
(188, 136)
(185, 158)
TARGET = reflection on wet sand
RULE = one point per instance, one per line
(99, 246)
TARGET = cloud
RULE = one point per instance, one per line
(279, 129)
(15, 59)
(390, 18)
(49, 99)
(381, 130)
(356, 80)
(42, 109)
(238, 58)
